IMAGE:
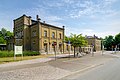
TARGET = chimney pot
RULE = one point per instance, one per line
(37, 18)
(29, 16)
(43, 21)
(63, 27)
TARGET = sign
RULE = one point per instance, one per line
(18, 50)
(55, 43)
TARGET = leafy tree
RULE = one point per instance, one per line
(109, 42)
(9, 34)
(5, 35)
(3, 31)
(76, 41)
(1, 34)
(2, 41)
(117, 39)
(66, 39)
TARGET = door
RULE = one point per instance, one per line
(45, 47)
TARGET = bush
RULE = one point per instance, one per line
(6, 54)
(11, 53)
(30, 53)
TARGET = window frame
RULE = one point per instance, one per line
(53, 35)
(60, 35)
(45, 33)
(34, 33)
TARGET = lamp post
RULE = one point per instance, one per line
(112, 49)
(55, 49)
(92, 49)
(115, 48)
(69, 48)
(102, 46)
(118, 47)
(63, 38)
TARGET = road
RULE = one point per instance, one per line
(82, 68)
(107, 71)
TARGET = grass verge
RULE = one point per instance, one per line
(19, 58)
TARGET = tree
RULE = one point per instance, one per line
(76, 41)
(109, 42)
(2, 41)
(3, 31)
(4, 35)
(117, 39)
(1, 34)
(66, 39)
(9, 34)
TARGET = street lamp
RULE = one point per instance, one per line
(118, 46)
(92, 49)
(69, 48)
(112, 48)
(102, 46)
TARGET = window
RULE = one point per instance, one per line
(34, 42)
(33, 33)
(53, 34)
(18, 35)
(45, 33)
(22, 33)
(60, 35)
(67, 47)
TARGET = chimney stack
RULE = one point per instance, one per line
(37, 18)
(43, 21)
(63, 27)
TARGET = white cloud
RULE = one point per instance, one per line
(53, 4)
(55, 23)
(89, 32)
(79, 8)
(44, 15)
(99, 34)
(99, 11)
(88, 8)
(69, 1)
(53, 18)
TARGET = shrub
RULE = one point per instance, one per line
(6, 54)
(11, 53)
(30, 53)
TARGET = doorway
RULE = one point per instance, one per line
(45, 47)
(60, 47)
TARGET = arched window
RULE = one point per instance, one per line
(53, 34)
(60, 35)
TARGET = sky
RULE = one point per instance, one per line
(87, 17)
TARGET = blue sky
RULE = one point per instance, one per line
(89, 17)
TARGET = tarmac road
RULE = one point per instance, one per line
(108, 71)
(51, 69)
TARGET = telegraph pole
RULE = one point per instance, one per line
(55, 49)
(63, 37)
(69, 48)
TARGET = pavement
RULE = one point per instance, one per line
(113, 53)
(33, 61)
(51, 69)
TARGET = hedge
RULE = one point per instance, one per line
(11, 53)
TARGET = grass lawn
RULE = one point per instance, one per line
(19, 58)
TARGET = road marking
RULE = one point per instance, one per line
(70, 60)
(84, 69)
(76, 63)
